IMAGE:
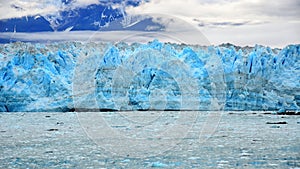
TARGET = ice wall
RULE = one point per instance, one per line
(67, 76)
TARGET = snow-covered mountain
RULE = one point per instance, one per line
(70, 16)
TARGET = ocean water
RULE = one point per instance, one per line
(149, 139)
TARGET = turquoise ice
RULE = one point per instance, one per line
(40, 77)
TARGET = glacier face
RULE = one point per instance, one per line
(66, 76)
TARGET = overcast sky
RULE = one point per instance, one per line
(243, 22)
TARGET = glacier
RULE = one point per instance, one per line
(103, 76)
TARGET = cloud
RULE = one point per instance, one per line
(228, 10)
(242, 22)
(226, 23)
(275, 34)
(130, 36)
(287, 9)
(280, 36)
(81, 3)
(229, 23)
(21, 8)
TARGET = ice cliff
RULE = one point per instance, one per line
(66, 76)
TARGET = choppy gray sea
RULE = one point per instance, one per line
(149, 140)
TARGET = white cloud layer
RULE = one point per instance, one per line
(242, 22)
(229, 10)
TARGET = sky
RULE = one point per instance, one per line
(241, 22)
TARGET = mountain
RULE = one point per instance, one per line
(91, 17)
(70, 17)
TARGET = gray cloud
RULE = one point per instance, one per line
(286, 8)
(242, 22)
(231, 10)
(226, 23)
(17, 7)
(229, 23)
